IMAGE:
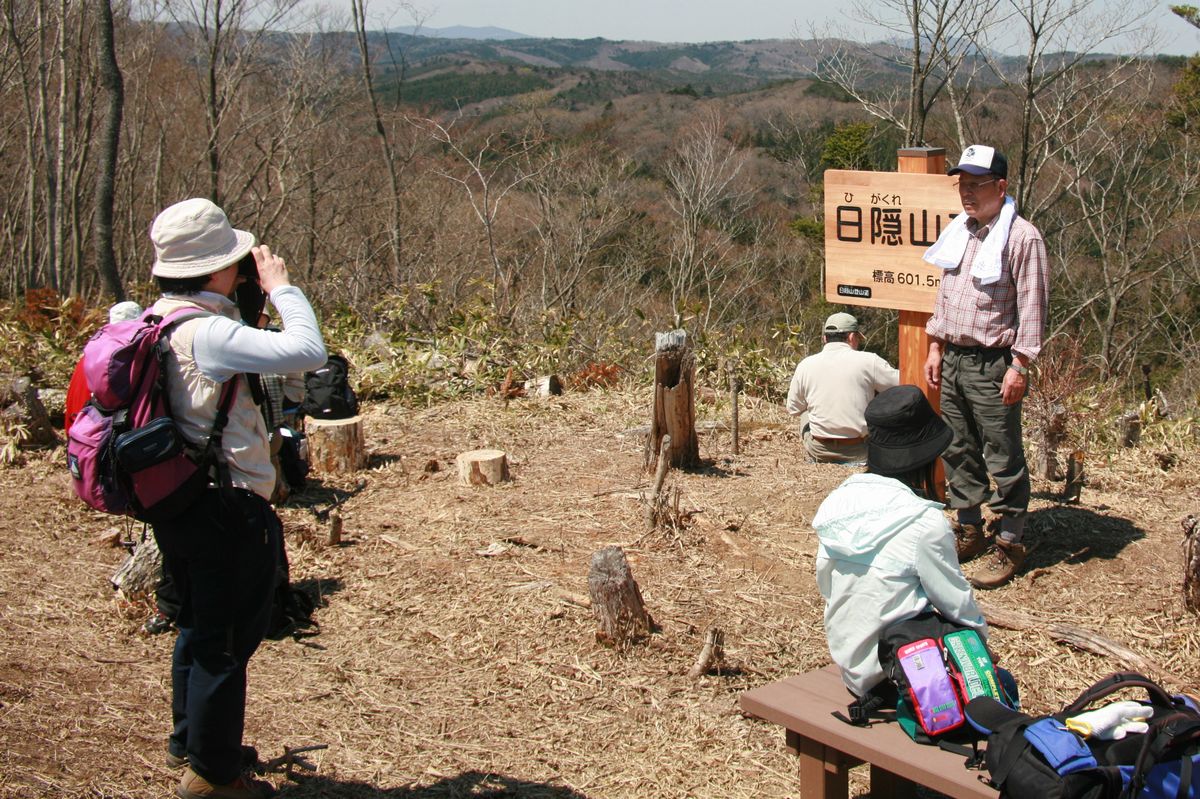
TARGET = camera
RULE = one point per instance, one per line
(249, 296)
(248, 267)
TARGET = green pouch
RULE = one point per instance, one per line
(972, 666)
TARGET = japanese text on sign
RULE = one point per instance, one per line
(877, 227)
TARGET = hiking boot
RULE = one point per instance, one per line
(1006, 559)
(969, 541)
(249, 759)
(193, 786)
(158, 623)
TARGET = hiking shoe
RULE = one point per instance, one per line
(193, 786)
(969, 541)
(158, 623)
(1006, 559)
(249, 759)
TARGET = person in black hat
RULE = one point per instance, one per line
(886, 550)
(986, 330)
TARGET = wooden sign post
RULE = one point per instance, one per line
(914, 343)
(877, 228)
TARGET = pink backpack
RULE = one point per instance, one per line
(124, 451)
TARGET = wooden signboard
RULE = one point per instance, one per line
(877, 227)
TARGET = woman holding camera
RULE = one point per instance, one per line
(222, 553)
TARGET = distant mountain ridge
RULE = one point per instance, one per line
(485, 33)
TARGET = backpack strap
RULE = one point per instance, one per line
(1116, 682)
(1167, 739)
(870, 705)
(213, 448)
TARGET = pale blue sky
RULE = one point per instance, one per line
(690, 20)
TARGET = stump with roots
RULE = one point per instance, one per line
(616, 600)
(336, 446)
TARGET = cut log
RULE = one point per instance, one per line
(674, 411)
(544, 386)
(138, 576)
(336, 446)
(616, 600)
(1074, 636)
(482, 467)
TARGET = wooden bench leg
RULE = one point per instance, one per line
(823, 771)
(886, 785)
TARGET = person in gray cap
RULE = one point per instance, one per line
(830, 391)
(986, 330)
(222, 554)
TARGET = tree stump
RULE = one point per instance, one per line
(544, 386)
(21, 405)
(336, 446)
(1191, 563)
(138, 576)
(1075, 477)
(674, 411)
(482, 467)
(616, 601)
(1052, 438)
(1129, 426)
(735, 387)
(711, 654)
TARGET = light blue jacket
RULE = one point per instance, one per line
(885, 555)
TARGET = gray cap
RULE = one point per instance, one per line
(841, 322)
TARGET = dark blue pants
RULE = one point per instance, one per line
(222, 555)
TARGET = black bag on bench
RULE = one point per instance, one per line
(933, 667)
(1028, 756)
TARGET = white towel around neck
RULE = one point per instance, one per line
(947, 252)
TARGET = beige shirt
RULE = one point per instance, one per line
(194, 399)
(834, 387)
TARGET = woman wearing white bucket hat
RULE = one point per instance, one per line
(222, 553)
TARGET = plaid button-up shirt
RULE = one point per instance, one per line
(1008, 313)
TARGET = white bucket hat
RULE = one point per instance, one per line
(193, 238)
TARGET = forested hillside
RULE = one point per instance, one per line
(549, 203)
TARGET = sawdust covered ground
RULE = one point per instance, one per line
(454, 657)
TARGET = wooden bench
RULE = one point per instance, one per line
(829, 748)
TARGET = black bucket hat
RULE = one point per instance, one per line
(903, 431)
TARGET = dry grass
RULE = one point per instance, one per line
(453, 659)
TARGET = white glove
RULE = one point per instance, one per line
(1113, 721)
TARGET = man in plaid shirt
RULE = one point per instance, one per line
(986, 330)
